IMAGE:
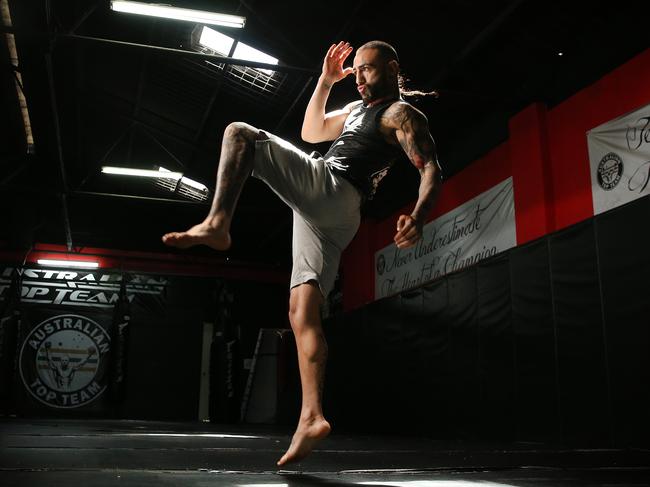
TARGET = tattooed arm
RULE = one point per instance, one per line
(411, 129)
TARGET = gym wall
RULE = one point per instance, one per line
(547, 342)
(78, 343)
(547, 157)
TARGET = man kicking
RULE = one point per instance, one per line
(325, 194)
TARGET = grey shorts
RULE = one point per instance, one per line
(325, 208)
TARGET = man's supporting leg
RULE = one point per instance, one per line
(304, 315)
(235, 165)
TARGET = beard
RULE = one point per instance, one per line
(376, 90)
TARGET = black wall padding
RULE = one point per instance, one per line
(583, 390)
(436, 353)
(497, 367)
(350, 371)
(534, 329)
(623, 238)
(463, 356)
(416, 371)
(548, 342)
(384, 341)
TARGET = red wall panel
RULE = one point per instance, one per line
(619, 92)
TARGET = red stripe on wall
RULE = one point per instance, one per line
(150, 262)
(532, 181)
(619, 92)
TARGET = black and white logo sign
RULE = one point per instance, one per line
(63, 359)
(610, 170)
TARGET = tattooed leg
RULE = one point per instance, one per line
(235, 165)
(305, 320)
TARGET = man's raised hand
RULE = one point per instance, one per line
(333, 70)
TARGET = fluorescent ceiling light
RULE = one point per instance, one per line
(222, 44)
(188, 181)
(147, 173)
(169, 12)
(216, 41)
(170, 180)
(248, 53)
(69, 263)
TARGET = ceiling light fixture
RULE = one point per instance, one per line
(186, 187)
(186, 14)
(218, 42)
(248, 53)
(145, 173)
(69, 263)
(222, 44)
(188, 181)
(169, 180)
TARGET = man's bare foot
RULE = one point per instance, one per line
(308, 433)
(201, 234)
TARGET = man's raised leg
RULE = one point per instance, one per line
(235, 165)
(304, 315)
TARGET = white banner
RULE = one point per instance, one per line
(479, 228)
(619, 157)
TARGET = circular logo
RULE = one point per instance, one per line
(62, 359)
(381, 264)
(610, 171)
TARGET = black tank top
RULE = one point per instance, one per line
(361, 154)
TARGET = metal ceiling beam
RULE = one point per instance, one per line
(140, 89)
(293, 105)
(57, 128)
(98, 163)
(138, 121)
(277, 33)
(183, 53)
(85, 16)
(59, 150)
(476, 42)
(162, 146)
(240, 208)
(142, 198)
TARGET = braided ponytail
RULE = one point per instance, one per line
(389, 53)
(403, 91)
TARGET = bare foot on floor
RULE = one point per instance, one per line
(201, 234)
(308, 433)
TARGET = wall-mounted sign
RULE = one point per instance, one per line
(480, 228)
(619, 158)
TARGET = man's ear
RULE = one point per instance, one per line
(394, 66)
